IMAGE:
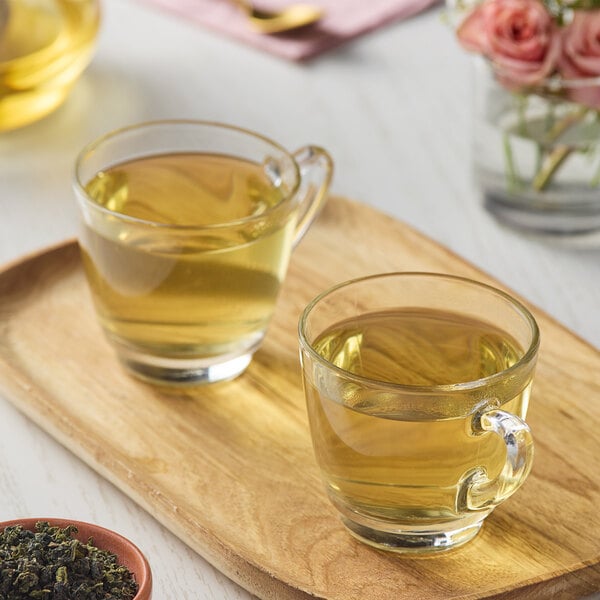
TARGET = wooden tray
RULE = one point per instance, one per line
(230, 469)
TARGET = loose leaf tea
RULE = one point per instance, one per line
(50, 564)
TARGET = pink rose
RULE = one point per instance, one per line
(518, 36)
(580, 57)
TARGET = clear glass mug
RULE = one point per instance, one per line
(417, 386)
(187, 229)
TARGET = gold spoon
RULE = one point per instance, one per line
(291, 17)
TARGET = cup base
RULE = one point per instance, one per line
(183, 372)
(412, 542)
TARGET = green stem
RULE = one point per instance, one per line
(595, 182)
(512, 179)
(558, 154)
(565, 123)
(522, 112)
(549, 123)
(556, 158)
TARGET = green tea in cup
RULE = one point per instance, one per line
(187, 233)
(417, 386)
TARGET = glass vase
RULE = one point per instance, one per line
(537, 153)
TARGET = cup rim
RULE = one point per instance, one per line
(459, 387)
(92, 146)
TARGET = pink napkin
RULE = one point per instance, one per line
(342, 21)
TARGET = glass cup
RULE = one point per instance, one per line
(187, 229)
(417, 385)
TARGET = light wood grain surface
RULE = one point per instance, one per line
(229, 468)
(392, 108)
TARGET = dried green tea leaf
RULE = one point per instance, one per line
(49, 564)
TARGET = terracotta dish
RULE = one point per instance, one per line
(128, 554)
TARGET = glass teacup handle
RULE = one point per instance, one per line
(484, 493)
(316, 169)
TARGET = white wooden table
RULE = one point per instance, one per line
(392, 108)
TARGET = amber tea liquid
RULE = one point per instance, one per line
(175, 289)
(384, 460)
(44, 46)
